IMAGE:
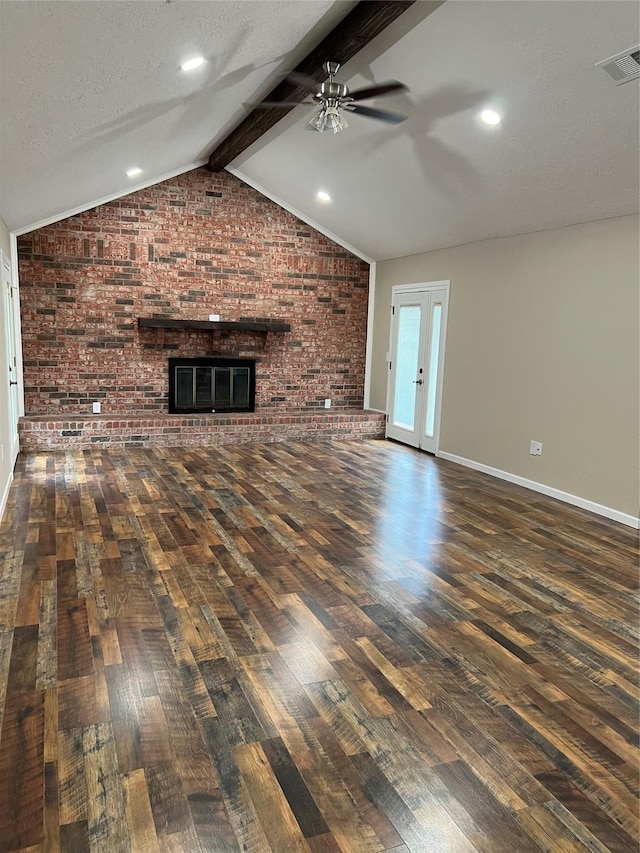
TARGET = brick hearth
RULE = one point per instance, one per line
(46, 432)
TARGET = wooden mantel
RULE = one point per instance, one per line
(213, 326)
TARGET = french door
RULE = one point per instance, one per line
(416, 362)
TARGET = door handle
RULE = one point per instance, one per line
(417, 381)
(12, 383)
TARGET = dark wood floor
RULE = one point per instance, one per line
(311, 647)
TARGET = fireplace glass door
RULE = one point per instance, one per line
(211, 385)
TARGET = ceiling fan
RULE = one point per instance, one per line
(334, 100)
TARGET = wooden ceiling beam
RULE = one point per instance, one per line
(360, 26)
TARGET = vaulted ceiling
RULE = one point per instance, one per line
(90, 89)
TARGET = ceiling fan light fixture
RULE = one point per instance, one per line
(329, 117)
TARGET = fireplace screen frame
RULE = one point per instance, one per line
(211, 363)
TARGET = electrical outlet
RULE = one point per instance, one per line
(214, 318)
(96, 408)
(535, 448)
(327, 403)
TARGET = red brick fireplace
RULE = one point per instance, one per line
(197, 245)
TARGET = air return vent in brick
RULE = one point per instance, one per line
(623, 66)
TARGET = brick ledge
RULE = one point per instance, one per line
(140, 429)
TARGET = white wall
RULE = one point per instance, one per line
(542, 343)
(6, 463)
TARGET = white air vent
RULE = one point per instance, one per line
(623, 66)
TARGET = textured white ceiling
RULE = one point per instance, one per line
(566, 152)
(89, 89)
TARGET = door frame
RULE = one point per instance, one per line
(422, 287)
(11, 334)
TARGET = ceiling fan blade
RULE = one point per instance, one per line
(303, 80)
(279, 104)
(380, 89)
(371, 112)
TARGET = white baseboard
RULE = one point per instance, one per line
(549, 491)
(5, 495)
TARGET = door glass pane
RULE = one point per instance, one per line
(204, 395)
(432, 375)
(184, 387)
(404, 406)
(240, 387)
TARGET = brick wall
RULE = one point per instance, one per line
(197, 244)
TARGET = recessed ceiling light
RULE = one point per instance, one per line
(490, 117)
(192, 64)
(131, 173)
(324, 197)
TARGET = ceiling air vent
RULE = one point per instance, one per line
(623, 66)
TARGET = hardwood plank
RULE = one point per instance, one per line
(284, 700)
(47, 665)
(300, 801)
(273, 811)
(106, 819)
(406, 681)
(78, 703)
(357, 670)
(323, 844)
(51, 835)
(232, 706)
(212, 823)
(124, 691)
(306, 663)
(347, 824)
(507, 781)
(143, 739)
(192, 758)
(71, 779)
(74, 837)
(51, 725)
(24, 661)
(364, 689)
(249, 832)
(134, 653)
(22, 771)
(66, 577)
(374, 817)
(74, 641)
(416, 836)
(198, 633)
(28, 609)
(586, 812)
(142, 831)
(168, 800)
(495, 822)
(547, 830)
